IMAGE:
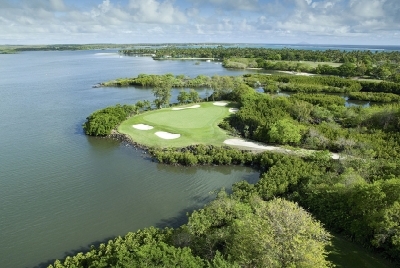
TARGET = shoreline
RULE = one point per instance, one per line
(234, 143)
(155, 58)
(124, 138)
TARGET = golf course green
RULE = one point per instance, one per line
(178, 126)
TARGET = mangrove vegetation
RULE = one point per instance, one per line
(285, 218)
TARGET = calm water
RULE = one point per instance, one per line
(60, 190)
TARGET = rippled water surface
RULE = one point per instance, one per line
(60, 190)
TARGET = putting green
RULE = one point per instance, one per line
(195, 126)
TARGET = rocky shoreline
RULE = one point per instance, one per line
(123, 138)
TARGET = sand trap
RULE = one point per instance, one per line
(258, 146)
(167, 135)
(335, 156)
(296, 73)
(182, 108)
(142, 127)
(220, 103)
(233, 110)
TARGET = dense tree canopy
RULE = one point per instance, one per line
(382, 65)
(260, 225)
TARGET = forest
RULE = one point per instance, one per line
(381, 65)
(285, 219)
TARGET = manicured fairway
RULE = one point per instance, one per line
(195, 126)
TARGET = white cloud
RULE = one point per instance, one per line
(392, 11)
(371, 9)
(105, 6)
(201, 20)
(101, 9)
(245, 27)
(157, 30)
(58, 5)
(249, 5)
(152, 11)
(199, 30)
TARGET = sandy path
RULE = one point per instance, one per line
(262, 147)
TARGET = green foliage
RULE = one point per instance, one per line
(357, 195)
(154, 80)
(366, 212)
(381, 65)
(326, 69)
(101, 122)
(260, 55)
(254, 234)
(278, 234)
(226, 233)
(183, 97)
(203, 155)
(387, 87)
(240, 63)
(374, 96)
(285, 131)
(144, 248)
(310, 84)
(284, 174)
(162, 91)
(319, 99)
(347, 69)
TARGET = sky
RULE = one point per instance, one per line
(358, 22)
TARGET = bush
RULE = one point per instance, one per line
(102, 122)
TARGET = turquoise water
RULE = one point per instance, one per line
(60, 190)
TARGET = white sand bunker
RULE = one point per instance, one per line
(142, 127)
(167, 135)
(220, 103)
(182, 108)
(233, 110)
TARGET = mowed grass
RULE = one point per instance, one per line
(345, 254)
(196, 126)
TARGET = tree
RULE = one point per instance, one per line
(258, 233)
(216, 85)
(162, 92)
(285, 131)
(278, 234)
(146, 105)
(183, 97)
(194, 96)
(347, 69)
(383, 72)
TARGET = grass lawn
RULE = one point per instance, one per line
(196, 126)
(346, 254)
